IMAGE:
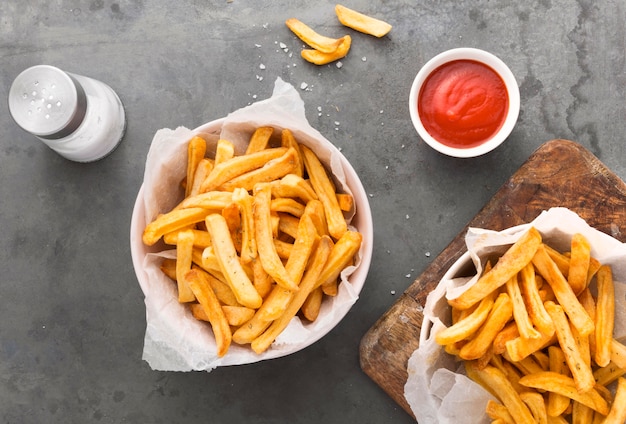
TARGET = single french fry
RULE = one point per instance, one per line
(250, 330)
(520, 313)
(259, 140)
(320, 58)
(467, 326)
(317, 215)
(309, 280)
(288, 224)
(581, 372)
(511, 262)
(215, 315)
(346, 202)
(561, 260)
(361, 22)
(232, 217)
(607, 375)
(496, 411)
(224, 151)
(287, 205)
(184, 248)
(312, 304)
(509, 332)
(289, 141)
(618, 354)
(201, 239)
(537, 406)
(248, 240)
(239, 165)
(229, 262)
(270, 171)
(502, 388)
(260, 278)
(309, 36)
(295, 187)
(265, 243)
(563, 292)
(605, 316)
(196, 149)
(172, 221)
(579, 263)
(213, 200)
(343, 254)
(557, 403)
(222, 290)
(519, 348)
(204, 168)
(581, 414)
(497, 319)
(532, 299)
(564, 385)
(237, 315)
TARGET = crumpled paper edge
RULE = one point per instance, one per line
(174, 340)
(437, 389)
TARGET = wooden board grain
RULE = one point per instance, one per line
(559, 173)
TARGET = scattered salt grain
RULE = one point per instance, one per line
(303, 86)
(339, 65)
(261, 66)
(427, 254)
(393, 292)
(364, 59)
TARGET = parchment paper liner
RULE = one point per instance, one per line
(437, 389)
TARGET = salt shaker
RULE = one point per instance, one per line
(80, 118)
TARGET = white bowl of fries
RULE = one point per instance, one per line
(259, 253)
(528, 311)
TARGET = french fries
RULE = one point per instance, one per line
(259, 238)
(361, 22)
(533, 334)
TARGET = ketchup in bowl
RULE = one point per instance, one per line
(463, 103)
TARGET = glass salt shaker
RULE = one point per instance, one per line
(80, 118)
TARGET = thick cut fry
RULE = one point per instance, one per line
(581, 414)
(520, 313)
(168, 266)
(509, 332)
(184, 249)
(237, 315)
(250, 330)
(265, 243)
(513, 260)
(229, 262)
(537, 406)
(467, 326)
(497, 411)
(309, 280)
(564, 385)
(342, 256)
(312, 304)
(287, 205)
(248, 240)
(239, 165)
(201, 239)
(259, 140)
(532, 299)
(605, 315)
(519, 348)
(557, 403)
(362, 23)
(172, 221)
(563, 292)
(312, 38)
(319, 58)
(224, 151)
(293, 186)
(215, 315)
(498, 384)
(222, 290)
(346, 202)
(196, 149)
(272, 170)
(618, 354)
(581, 371)
(289, 141)
(204, 168)
(579, 263)
(497, 319)
(606, 375)
(260, 278)
(617, 414)
(213, 200)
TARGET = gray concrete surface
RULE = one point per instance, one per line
(72, 317)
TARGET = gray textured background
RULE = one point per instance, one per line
(72, 317)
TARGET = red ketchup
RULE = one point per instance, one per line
(463, 103)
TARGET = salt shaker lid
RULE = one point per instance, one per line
(47, 102)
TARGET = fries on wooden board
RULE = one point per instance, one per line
(534, 334)
(259, 237)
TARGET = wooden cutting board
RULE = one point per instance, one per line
(559, 173)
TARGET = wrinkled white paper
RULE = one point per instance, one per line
(437, 389)
(174, 340)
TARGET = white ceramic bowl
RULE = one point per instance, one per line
(479, 56)
(362, 221)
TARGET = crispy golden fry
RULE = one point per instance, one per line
(309, 280)
(265, 244)
(212, 200)
(561, 260)
(509, 332)
(294, 187)
(497, 411)
(618, 354)
(579, 263)
(312, 38)
(196, 149)
(325, 190)
(532, 299)
(318, 217)
(319, 58)
(288, 224)
(617, 414)
(312, 304)
(184, 248)
(233, 221)
(229, 262)
(168, 266)
(215, 315)
(467, 326)
(224, 151)
(605, 316)
(563, 292)
(537, 406)
(204, 168)
(259, 140)
(260, 278)
(557, 403)
(239, 165)
(520, 313)
(222, 290)
(346, 202)
(201, 239)
(272, 170)
(288, 140)
(581, 414)
(497, 319)
(581, 371)
(513, 260)
(342, 256)
(362, 23)
(519, 348)
(172, 221)
(502, 388)
(283, 249)
(237, 315)
(564, 385)
(287, 205)
(248, 241)
(607, 375)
